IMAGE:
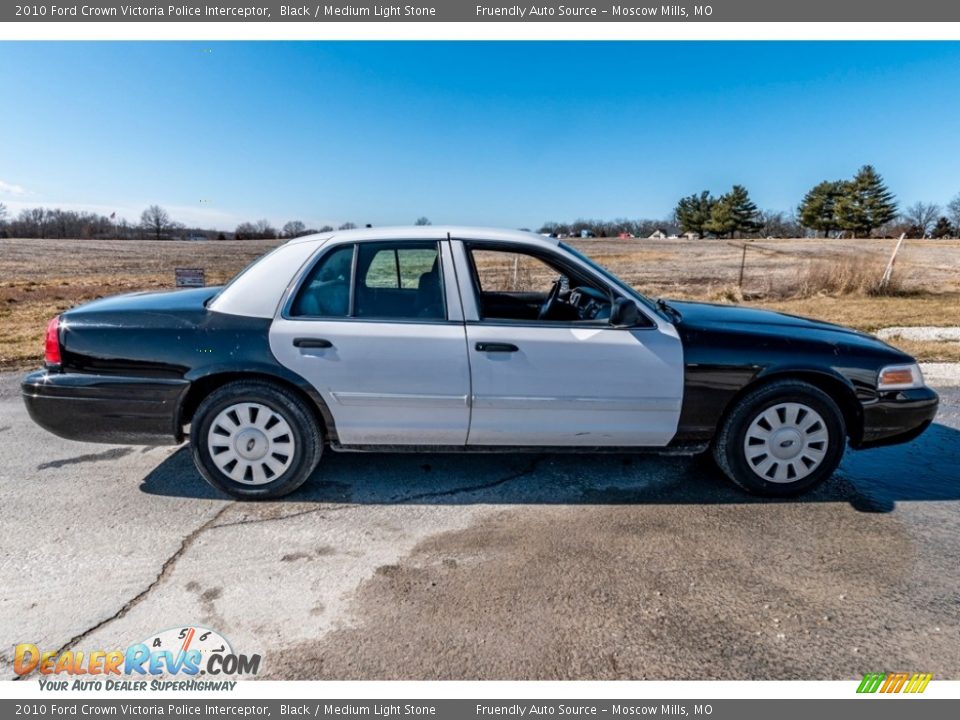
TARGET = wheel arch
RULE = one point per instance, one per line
(836, 386)
(205, 383)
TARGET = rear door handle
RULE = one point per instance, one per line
(312, 343)
(496, 347)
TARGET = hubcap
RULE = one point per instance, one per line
(786, 442)
(250, 443)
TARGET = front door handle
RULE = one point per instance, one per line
(496, 347)
(312, 343)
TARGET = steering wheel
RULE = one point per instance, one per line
(550, 301)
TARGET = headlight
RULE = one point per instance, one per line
(900, 377)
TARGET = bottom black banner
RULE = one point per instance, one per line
(874, 708)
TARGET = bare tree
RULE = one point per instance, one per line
(37, 220)
(922, 216)
(294, 228)
(156, 220)
(347, 226)
(422, 220)
(779, 224)
(326, 228)
(953, 211)
(265, 229)
(3, 212)
(245, 231)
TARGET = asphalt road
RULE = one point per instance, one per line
(502, 566)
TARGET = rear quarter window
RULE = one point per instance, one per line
(256, 292)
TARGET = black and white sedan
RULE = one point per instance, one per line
(429, 338)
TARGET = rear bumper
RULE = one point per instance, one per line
(106, 408)
(898, 417)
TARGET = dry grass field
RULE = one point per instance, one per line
(828, 279)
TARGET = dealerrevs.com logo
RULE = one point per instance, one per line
(185, 658)
(895, 682)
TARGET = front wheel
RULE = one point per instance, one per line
(255, 440)
(781, 439)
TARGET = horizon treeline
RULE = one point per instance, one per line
(861, 206)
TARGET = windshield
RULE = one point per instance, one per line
(610, 277)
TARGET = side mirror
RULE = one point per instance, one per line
(624, 313)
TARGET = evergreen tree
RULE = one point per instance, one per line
(734, 213)
(818, 210)
(721, 218)
(866, 203)
(693, 212)
(943, 229)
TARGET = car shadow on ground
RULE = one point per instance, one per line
(871, 481)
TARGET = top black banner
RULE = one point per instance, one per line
(473, 11)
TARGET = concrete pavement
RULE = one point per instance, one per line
(501, 566)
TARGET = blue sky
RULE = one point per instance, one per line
(509, 134)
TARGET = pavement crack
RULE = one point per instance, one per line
(400, 500)
(530, 467)
(164, 572)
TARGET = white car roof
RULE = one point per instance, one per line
(429, 232)
(257, 291)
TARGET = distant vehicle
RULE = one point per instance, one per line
(430, 338)
(625, 236)
(195, 237)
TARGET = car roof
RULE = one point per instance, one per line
(258, 289)
(429, 232)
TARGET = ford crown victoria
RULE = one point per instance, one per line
(431, 338)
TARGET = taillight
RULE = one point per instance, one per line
(52, 345)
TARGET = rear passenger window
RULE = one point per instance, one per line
(326, 292)
(399, 267)
(399, 280)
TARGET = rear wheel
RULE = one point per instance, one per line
(255, 440)
(781, 439)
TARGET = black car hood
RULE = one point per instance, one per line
(166, 301)
(736, 317)
(755, 326)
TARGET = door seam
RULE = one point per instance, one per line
(466, 343)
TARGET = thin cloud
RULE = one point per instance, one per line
(11, 189)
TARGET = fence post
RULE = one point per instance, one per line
(888, 272)
(743, 262)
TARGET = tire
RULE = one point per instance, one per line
(255, 440)
(802, 447)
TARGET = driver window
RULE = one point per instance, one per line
(514, 285)
(512, 272)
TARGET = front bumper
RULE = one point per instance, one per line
(898, 417)
(106, 408)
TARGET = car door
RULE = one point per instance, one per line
(560, 382)
(375, 329)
